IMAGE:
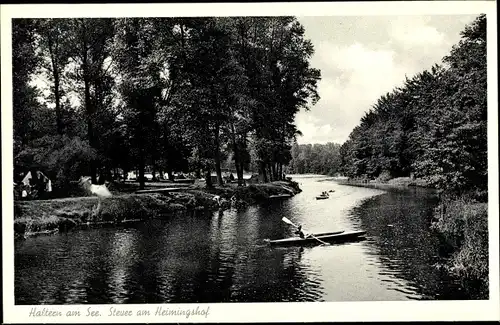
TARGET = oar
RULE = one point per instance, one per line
(286, 220)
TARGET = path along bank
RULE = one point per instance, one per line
(57, 215)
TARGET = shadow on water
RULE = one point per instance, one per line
(401, 241)
(185, 259)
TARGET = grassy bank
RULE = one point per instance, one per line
(47, 216)
(464, 226)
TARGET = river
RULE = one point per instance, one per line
(227, 259)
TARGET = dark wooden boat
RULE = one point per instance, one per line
(331, 237)
(159, 190)
(184, 181)
(322, 197)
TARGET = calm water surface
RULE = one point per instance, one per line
(226, 259)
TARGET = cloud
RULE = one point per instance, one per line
(413, 32)
(363, 58)
(313, 130)
(354, 78)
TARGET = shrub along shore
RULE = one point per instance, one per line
(393, 182)
(463, 223)
(49, 216)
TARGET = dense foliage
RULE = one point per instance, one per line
(433, 127)
(151, 94)
(323, 159)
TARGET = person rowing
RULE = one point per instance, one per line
(301, 233)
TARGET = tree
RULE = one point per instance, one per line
(281, 83)
(54, 41)
(24, 62)
(91, 40)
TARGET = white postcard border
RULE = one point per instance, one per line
(257, 312)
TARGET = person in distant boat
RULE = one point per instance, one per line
(300, 232)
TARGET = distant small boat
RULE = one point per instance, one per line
(331, 237)
(322, 197)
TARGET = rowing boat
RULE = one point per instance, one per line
(332, 237)
(321, 197)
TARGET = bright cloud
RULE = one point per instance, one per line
(363, 58)
(413, 31)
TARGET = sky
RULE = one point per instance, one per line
(362, 58)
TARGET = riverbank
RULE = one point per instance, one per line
(393, 182)
(463, 224)
(49, 216)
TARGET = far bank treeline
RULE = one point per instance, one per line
(323, 159)
(433, 127)
(170, 94)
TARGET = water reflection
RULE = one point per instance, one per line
(225, 258)
(397, 225)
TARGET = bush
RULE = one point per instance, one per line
(384, 177)
(464, 225)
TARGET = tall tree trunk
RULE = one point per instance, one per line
(142, 152)
(89, 109)
(142, 166)
(170, 174)
(237, 163)
(242, 170)
(162, 176)
(208, 178)
(218, 170)
(57, 94)
(239, 174)
(273, 169)
(142, 160)
(280, 171)
(153, 164)
(262, 167)
(90, 129)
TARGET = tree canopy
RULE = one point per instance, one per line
(159, 94)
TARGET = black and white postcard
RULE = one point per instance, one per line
(254, 162)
